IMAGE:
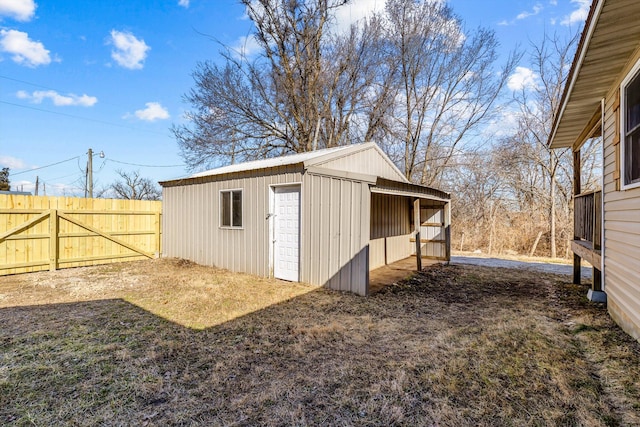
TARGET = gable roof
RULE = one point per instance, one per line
(305, 160)
(610, 36)
(330, 157)
(291, 159)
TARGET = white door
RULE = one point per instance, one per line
(286, 233)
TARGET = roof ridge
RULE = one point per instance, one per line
(287, 159)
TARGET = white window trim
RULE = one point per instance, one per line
(230, 227)
(635, 72)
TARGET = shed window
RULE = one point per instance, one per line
(231, 208)
(630, 93)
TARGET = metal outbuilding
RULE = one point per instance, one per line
(325, 217)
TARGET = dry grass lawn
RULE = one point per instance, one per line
(167, 342)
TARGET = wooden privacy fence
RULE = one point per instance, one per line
(48, 233)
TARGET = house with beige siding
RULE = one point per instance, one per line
(602, 99)
(326, 217)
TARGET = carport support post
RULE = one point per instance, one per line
(416, 221)
(447, 230)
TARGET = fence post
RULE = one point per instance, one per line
(53, 239)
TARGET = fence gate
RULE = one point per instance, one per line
(47, 233)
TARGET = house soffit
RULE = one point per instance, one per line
(610, 38)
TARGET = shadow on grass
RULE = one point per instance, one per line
(451, 346)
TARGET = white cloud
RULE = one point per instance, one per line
(553, 2)
(245, 46)
(578, 15)
(505, 124)
(355, 11)
(154, 111)
(58, 100)
(23, 185)
(24, 50)
(20, 10)
(522, 78)
(184, 3)
(536, 10)
(129, 51)
(12, 162)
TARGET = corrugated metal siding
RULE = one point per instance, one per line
(390, 215)
(191, 221)
(390, 229)
(395, 248)
(368, 162)
(430, 250)
(399, 247)
(621, 233)
(376, 253)
(335, 243)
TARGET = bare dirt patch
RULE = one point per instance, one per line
(454, 345)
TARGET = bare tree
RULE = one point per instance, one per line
(305, 90)
(409, 78)
(447, 83)
(531, 185)
(484, 207)
(5, 184)
(133, 187)
(544, 176)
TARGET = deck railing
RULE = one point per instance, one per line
(587, 218)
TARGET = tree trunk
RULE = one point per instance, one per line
(535, 244)
(492, 212)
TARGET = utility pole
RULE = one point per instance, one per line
(88, 185)
(37, 184)
(90, 173)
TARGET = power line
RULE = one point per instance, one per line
(145, 166)
(46, 166)
(27, 83)
(59, 177)
(101, 166)
(82, 118)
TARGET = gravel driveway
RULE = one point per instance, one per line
(534, 266)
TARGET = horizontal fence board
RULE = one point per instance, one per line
(25, 265)
(41, 233)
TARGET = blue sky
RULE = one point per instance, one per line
(110, 75)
